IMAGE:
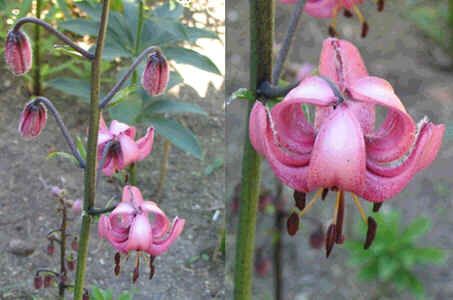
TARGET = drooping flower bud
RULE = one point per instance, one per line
(18, 54)
(156, 74)
(75, 244)
(51, 248)
(77, 206)
(37, 282)
(48, 281)
(32, 120)
(56, 191)
(70, 261)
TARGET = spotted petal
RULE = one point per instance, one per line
(158, 247)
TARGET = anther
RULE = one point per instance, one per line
(292, 225)
(364, 29)
(377, 206)
(152, 269)
(332, 31)
(371, 233)
(380, 5)
(330, 239)
(324, 194)
(300, 199)
(136, 269)
(347, 13)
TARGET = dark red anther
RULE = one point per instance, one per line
(75, 244)
(292, 224)
(330, 239)
(300, 199)
(117, 270)
(364, 29)
(152, 269)
(324, 194)
(380, 5)
(37, 282)
(48, 280)
(332, 31)
(371, 233)
(117, 258)
(339, 223)
(135, 274)
(377, 206)
(347, 13)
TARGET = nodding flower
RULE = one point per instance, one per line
(156, 74)
(341, 150)
(128, 227)
(18, 53)
(329, 9)
(122, 149)
(32, 119)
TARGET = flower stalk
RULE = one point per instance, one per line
(261, 33)
(37, 53)
(90, 171)
(63, 236)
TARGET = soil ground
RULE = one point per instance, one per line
(394, 50)
(190, 270)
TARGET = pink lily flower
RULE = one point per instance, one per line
(342, 150)
(32, 120)
(128, 227)
(123, 149)
(329, 9)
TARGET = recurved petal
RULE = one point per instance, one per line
(161, 222)
(383, 182)
(117, 128)
(397, 133)
(340, 61)
(140, 236)
(122, 215)
(158, 247)
(132, 194)
(320, 8)
(338, 158)
(129, 151)
(145, 144)
(104, 226)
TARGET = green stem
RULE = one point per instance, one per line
(261, 35)
(90, 171)
(63, 236)
(133, 174)
(36, 54)
(138, 36)
(450, 24)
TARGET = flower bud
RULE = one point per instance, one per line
(18, 54)
(51, 248)
(70, 262)
(37, 282)
(75, 244)
(156, 74)
(56, 191)
(32, 120)
(77, 206)
(48, 281)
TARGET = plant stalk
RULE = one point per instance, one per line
(279, 227)
(62, 284)
(37, 54)
(261, 41)
(90, 171)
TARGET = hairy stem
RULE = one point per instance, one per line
(163, 168)
(126, 75)
(283, 53)
(61, 284)
(138, 36)
(279, 226)
(53, 110)
(261, 34)
(55, 32)
(37, 53)
(90, 171)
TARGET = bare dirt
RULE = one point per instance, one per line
(397, 51)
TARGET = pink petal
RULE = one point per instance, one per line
(290, 169)
(129, 151)
(320, 8)
(159, 247)
(102, 125)
(110, 166)
(145, 144)
(384, 183)
(122, 215)
(104, 226)
(117, 128)
(338, 157)
(397, 132)
(132, 194)
(161, 222)
(140, 236)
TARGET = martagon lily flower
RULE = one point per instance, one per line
(122, 149)
(32, 120)
(329, 9)
(128, 228)
(342, 151)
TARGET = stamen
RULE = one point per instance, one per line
(380, 5)
(360, 208)
(362, 21)
(333, 25)
(292, 224)
(330, 239)
(377, 206)
(324, 194)
(347, 13)
(371, 233)
(311, 203)
(340, 218)
(300, 199)
(152, 269)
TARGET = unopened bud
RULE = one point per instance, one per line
(32, 120)
(56, 191)
(51, 248)
(77, 206)
(292, 225)
(18, 54)
(48, 280)
(37, 282)
(75, 244)
(156, 74)
(70, 261)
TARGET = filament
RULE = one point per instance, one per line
(360, 208)
(310, 204)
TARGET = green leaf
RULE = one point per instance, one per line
(180, 136)
(25, 8)
(81, 147)
(191, 57)
(81, 26)
(369, 272)
(127, 111)
(71, 86)
(195, 33)
(416, 229)
(64, 8)
(107, 294)
(170, 106)
(211, 168)
(96, 293)
(429, 255)
(64, 155)
(125, 296)
(387, 267)
(175, 79)
(242, 93)
(167, 11)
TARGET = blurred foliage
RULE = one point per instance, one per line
(100, 294)
(391, 260)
